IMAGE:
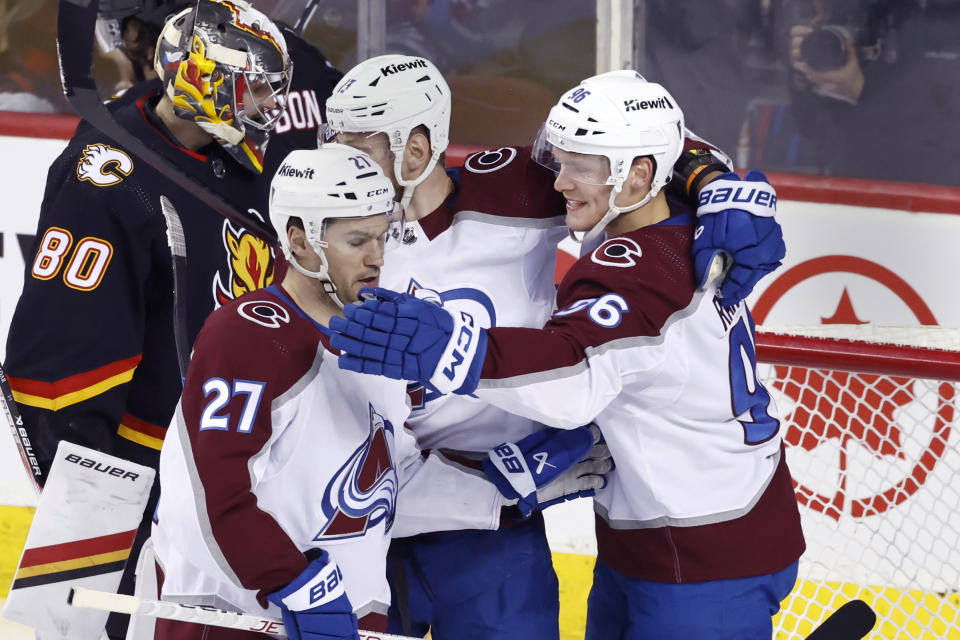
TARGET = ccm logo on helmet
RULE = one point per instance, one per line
(741, 195)
(390, 69)
(101, 467)
(293, 172)
(376, 192)
(556, 125)
(637, 105)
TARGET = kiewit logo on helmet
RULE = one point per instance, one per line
(403, 66)
(293, 172)
(637, 105)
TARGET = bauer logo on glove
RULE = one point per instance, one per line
(737, 221)
(754, 195)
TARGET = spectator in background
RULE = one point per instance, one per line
(29, 74)
(874, 86)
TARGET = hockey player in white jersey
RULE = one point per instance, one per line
(698, 530)
(280, 473)
(483, 240)
(466, 245)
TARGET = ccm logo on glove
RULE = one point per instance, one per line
(461, 346)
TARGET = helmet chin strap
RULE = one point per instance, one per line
(322, 275)
(612, 212)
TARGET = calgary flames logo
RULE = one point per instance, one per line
(103, 165)
(251, 264)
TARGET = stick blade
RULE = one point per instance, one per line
(175, 237)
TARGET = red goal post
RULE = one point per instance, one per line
(870, 421)
(920, 352)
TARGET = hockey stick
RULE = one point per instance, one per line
(199, 614)
(15, 420)
(178, 254)
(306, 16)
(852, 621)
(76, 22)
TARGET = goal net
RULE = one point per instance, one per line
(870, 418)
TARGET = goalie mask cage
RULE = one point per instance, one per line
(870, 418)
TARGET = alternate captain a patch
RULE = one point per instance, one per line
(363, 492)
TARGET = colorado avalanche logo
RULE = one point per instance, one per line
(618, 252)
(473, 301)
(363, 492)
(490, 161)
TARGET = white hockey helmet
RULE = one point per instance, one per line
(620, 116)
(319, 185)
(393, 94)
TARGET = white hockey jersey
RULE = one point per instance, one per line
(274, 451)
(701, 490)
(489, 249)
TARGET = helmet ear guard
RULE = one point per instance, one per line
(620, 116)
(225, 66)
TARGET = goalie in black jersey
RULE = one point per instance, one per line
(90, 352)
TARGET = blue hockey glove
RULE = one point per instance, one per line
(400, 336)
(549, 466)
(315, 605)
(737, 221)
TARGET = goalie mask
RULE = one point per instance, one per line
(329, 183)
(393, 94)
(225, 66)
(617, 116)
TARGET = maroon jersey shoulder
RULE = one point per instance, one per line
(646, 274)
(507, 182)
(261, 336)
(628, 287)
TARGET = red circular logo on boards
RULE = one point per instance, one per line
(855, 407)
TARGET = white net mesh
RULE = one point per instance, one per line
(876, 466)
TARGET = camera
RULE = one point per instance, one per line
(825, 48)
(864, 23)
